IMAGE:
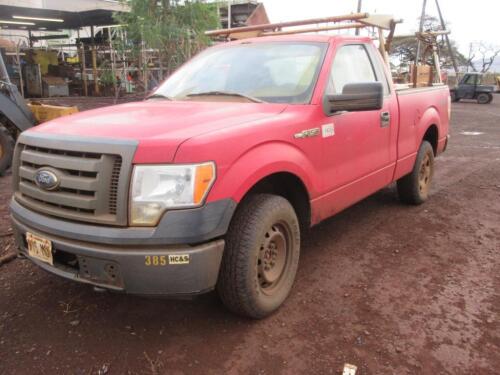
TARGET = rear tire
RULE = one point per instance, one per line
(261, 256)
(484, 98)
(414, 187)
(453, 96)
(6, 150)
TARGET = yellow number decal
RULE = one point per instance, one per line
(155, 260)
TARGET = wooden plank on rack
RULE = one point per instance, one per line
(355, 25)
(279, 25)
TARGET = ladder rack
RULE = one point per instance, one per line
(347, 21)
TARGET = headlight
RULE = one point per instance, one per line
(157, 188)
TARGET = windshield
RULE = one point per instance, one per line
(270, 72)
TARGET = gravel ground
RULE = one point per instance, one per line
(390, 288)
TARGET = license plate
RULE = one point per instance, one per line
(39, 248)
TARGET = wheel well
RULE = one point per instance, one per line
(290, 187)
(431, 136)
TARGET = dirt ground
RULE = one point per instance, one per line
(390, 288)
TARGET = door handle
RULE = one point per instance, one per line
(385, 119)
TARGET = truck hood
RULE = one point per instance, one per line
(159, 126)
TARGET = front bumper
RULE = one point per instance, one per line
(140, 265)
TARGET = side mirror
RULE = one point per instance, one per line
(367, 96)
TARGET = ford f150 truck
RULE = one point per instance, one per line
(211, 182)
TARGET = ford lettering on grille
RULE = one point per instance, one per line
(46, 179)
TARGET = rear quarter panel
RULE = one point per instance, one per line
(419, 109)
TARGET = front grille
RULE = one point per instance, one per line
(91, 184)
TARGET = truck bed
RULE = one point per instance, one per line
(419, 108)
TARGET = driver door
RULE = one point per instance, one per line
(467, 89)
(357, 156)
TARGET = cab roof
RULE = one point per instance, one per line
(318, 38)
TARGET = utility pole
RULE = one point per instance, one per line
(420, 29)
(359, 11)
(94, 60)
(470, 56)
(417, 55)
(450, 51)
(228, 14)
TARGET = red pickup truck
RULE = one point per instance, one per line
(211, 182)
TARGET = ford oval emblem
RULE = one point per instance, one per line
(46, 179)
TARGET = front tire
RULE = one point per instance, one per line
(414, 187)
(261, 256)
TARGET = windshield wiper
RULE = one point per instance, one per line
(159, 96)
(225, 93)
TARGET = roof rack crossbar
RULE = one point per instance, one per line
(341, 26)
(269, 27)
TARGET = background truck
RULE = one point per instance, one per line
(471, 87)
(212, 182)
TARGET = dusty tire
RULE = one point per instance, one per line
(414, 187)
(484, 98)
(261, 256)
(6, 150)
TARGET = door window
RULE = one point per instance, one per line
(470, 80)
(351, 65)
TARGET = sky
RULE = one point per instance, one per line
(469, 21)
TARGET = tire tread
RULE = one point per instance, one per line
(232, 286)
(407, 186)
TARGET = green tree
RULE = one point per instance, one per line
(172, 27)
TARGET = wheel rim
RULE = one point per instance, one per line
(425, 175)
(274, 255)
